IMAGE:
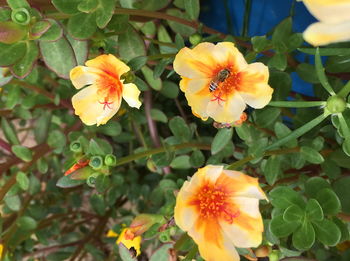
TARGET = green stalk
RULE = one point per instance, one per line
(345, 90)
(248, 7)
(297, 104)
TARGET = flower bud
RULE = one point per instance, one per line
(75, 146)
(20, 16)
(128, 77)
(110, 160)
(96, 162)
(141, 224)
(91, 180)
(336, 104)
(195, 39)
(262, 251)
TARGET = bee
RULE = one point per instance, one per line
(220, 77)
(133, 252)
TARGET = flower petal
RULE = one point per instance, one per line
(229, 56)
(82, 75)
(245, 231)
(253, 87)
(240, 185)
(322, 33)
(184, 215)
(210, 172)
(89, 106)
(213, 243)
(109, 64)
(131, 95)
(329, 11)
(227, 111)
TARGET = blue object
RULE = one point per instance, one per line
(227, 16)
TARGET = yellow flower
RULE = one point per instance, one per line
(98, 102)
(218, 82)
(219, 209)
(134, 243)
(334, 21)
(1, 248)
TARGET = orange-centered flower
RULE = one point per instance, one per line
(219, 209)
(218, 82)
(334, 21)
(97, 103)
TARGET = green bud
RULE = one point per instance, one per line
(195, 39)
(91, 180)
(164, 236)
(110, 160)
(128, 77)
(274, 255)
(20, 16)
(96, 162)
(75, 146)
(336, 104)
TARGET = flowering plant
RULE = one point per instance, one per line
(132, 131)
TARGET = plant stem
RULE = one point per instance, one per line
(241, 162)
(143, 154)
(297, 104)
(345, 90)
(248, 7)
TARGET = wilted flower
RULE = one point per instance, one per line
(97, 103)
(131, 244)
(76, 166)
(141, 224)
(334, 21)
(219, 209)
(218, 82)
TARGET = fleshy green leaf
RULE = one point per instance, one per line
(54, 33)
(293, 214)
(304, 237)
(11, 53)
(131, 45)
(148, 74)
(26, 223)
(314, 185)
(67, 182)
(222, 137)
(82, 25)
(22, 152)
(272, 169)
(281, 228)
(9, 131)
(179, 128)
(22, 180)
(11, 32)
(329, 201)
(192, 8)
(283, 197)
(311, 155)
(25, 65)
(104, 12)
(327, 232)
(314, 210)
(67, 6)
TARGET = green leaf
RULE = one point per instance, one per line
(95, 149)
(281, 35)
(153, 5)
(314, 185)
(162, 253)
(294, 214)
(181, 29)
(278, 61)
(54, 33)
(56, 139)
(9, 131)
(282, 197)
(170, 89)
(327, 232)
(102, 183)
(281, 228)
(5, 14)
(88, 6)
(82, 25)
(41, 127)
(329, 201)
(11, 53)
(272, 169)
(119, 23)
(265, 118)
(304, 237)
(321, 73)
(60, 64)
(26, 223)
(13, 202)
(298, 132)
(345, 234)
(307, 72)
(104, 12)
(80, 48)
(39, 28)
(341, 188)
(311, 155)
(111, 128)
(131, 45)
(15, 4)
(137, 63)
(313, 210)
(125, 254)
(22, 180)
(179, 41)
(22, 152)
(11, 32)
(181, 162)
(222, 137)
(160, 67)
(281, 82)
(24, 66)
(259, 43)
(66, 6)
(67, 182)
(98, 204)
(192, 8)
(282, 131)
(158, 115)
(197, 159)
(331, 169)
(179, 128)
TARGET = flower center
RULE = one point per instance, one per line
(110, 88)
(225, 85)
(214, 203)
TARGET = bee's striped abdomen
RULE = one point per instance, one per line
(213, 86)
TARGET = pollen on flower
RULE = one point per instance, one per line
(227, 86)
(214, 202)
